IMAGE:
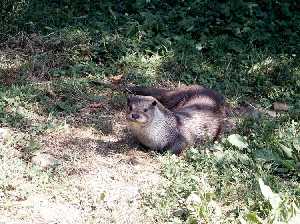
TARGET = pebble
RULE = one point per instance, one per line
(45, 161)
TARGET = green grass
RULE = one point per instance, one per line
(225, 181)
(248, 51)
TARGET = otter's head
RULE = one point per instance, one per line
(141, 109)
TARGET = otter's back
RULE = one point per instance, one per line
(199, 121)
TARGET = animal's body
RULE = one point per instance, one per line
(175, 119)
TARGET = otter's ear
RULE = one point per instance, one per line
(154, 103)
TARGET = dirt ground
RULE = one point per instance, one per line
(103, 174)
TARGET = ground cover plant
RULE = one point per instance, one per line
(51, 51)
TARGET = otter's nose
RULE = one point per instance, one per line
(135, 116)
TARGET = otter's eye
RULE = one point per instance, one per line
(145, 110)
(130, 107)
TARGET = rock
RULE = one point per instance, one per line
(277, 106)
(45, 161)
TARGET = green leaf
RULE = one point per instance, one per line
(267, 155)
(190, 28)
(286, 150)
(289, 164)
(296, 144)
(101, 197)
(268, 194)
(238, 141)
(253, 218)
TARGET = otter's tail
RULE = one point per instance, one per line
(146, 91)
(133, 89)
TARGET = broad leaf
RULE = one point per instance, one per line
(238, 141)
(268, 194)
(287, 151)
(296, 143)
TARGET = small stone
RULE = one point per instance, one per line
(45, 161)
(277, 106)
(193, 199)
(4, 134)
(271, 113)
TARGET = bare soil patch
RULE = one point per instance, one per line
(101, 177)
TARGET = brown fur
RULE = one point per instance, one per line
(175, 119)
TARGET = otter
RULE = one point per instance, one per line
(175, 119)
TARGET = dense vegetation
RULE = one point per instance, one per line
(247, 50)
